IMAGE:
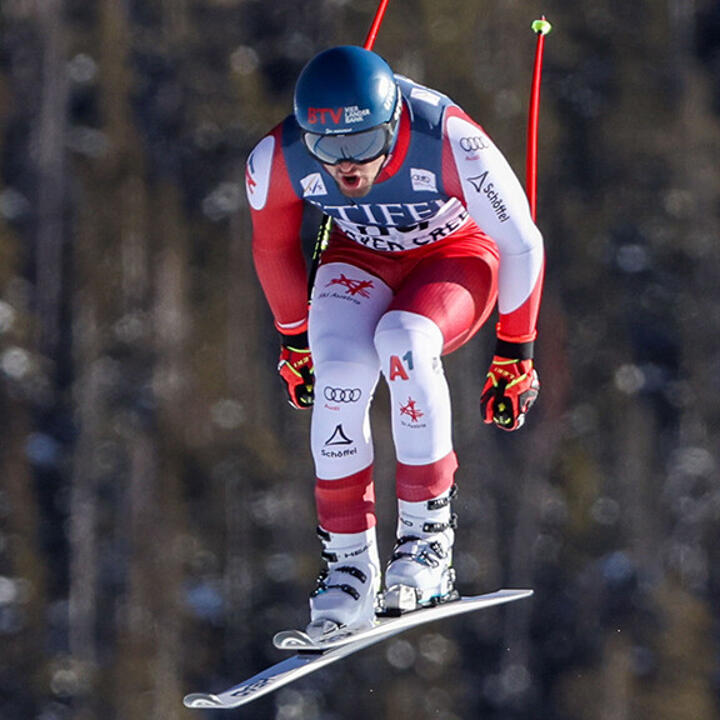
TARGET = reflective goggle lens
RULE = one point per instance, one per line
(357, 147)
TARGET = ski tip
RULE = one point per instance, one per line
(516, 593)
(202, 700)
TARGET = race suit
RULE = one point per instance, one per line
(411, 272)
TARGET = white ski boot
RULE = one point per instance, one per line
(347, 591)
(420, 572)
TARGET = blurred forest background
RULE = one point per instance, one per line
(156, 512)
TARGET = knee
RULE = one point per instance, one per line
(408, 336)
(330, 349)
(346, 364)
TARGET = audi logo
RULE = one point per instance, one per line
(342, 395)
(476, 142)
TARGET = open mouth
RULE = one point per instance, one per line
(351, 181)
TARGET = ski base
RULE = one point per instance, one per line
(313, 655)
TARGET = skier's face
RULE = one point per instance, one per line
(355, 179)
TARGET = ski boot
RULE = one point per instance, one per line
(420, 572)
(347, 590)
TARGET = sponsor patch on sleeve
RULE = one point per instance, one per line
(257, 173)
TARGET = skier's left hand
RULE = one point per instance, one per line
(295, 367)
(511, 387)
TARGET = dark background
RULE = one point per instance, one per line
(156, 513)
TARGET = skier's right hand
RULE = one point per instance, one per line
(296, 370)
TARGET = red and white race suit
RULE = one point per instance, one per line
(411, 272)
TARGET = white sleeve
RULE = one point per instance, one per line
(498, 204)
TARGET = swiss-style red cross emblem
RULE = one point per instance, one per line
(352, 287)
(411, 410)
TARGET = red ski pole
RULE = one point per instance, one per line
(377, 21)
(323, 234)
(542, 27)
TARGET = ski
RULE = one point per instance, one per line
(312, 656)
(299, 640)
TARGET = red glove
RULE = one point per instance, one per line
(512, 386)
(296, 369)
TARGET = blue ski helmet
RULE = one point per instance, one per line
(351, 93)
(345, 89)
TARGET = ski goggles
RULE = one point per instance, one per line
(360, 147)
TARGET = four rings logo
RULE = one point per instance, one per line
(342, 395)
(474, 143)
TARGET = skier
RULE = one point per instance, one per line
(430, 228)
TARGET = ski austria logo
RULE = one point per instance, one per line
(411, 410)
(313, 184)
(257, 173)
(352, 287)
(423, 180)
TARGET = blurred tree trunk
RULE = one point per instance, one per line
(176, 421)
(51, 167)
(244, 332)
(175, 21)
(615, 681)
(117, 196)
(244, 381)
(635, 485)
(83, 497)
(21, 525)
(543, 442)
(137, 625)
(694, 204)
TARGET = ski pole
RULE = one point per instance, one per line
(541, 27)
(377, 21)
(323, 233)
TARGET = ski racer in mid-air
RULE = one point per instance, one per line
(430, 228)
